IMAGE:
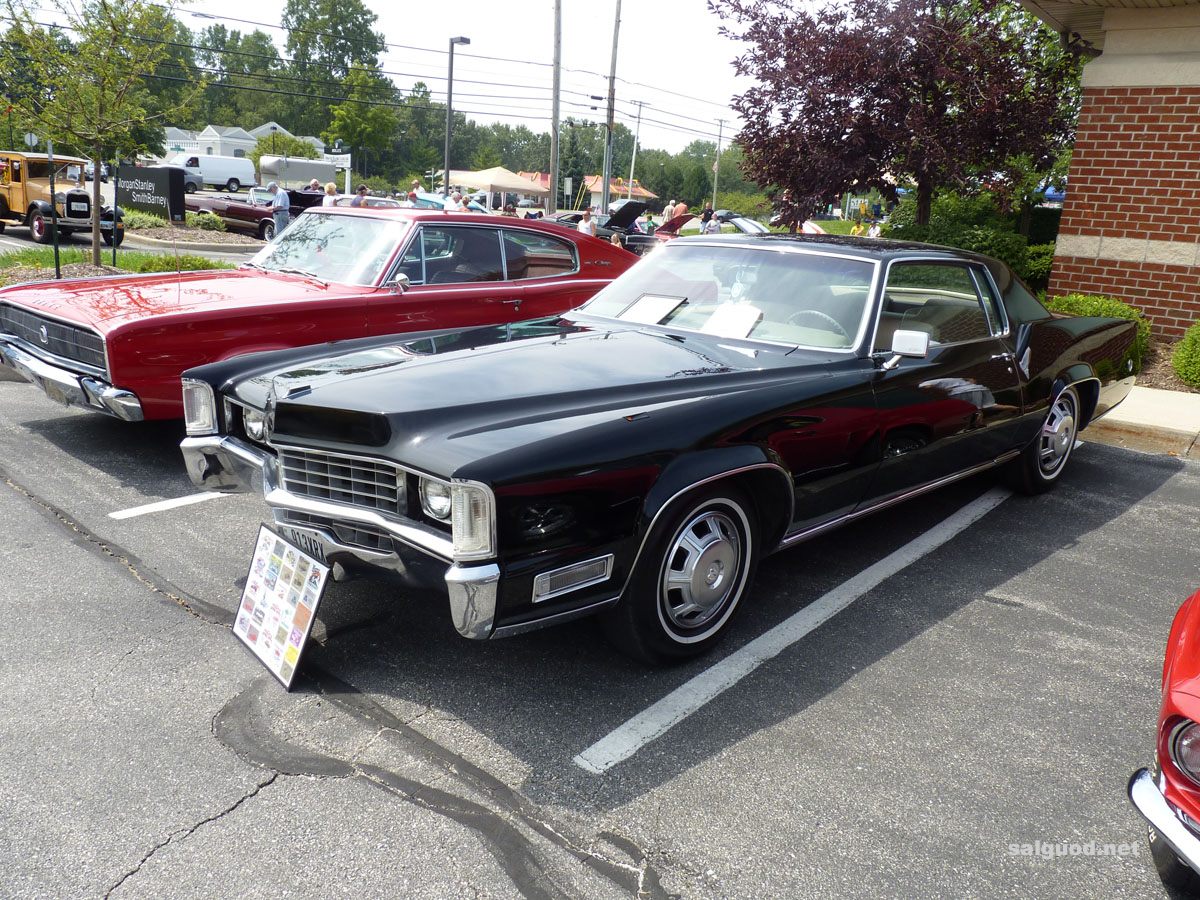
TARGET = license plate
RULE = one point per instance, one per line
(305, 541)
(79, 208)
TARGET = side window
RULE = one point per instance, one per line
(448, 254)
(938, 298)
(530, 255)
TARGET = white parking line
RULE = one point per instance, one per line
(623, 742)
(164, 504)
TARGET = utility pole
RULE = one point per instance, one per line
(612, 99)
(637, 131)
(554, 108)
(717, 161)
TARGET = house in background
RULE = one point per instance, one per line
(225, 140)
(1131, 217)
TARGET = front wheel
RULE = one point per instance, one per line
(690, 579)
(189, 188)
(107, 237)
(39, 228)
(1039, 465)
(233, 185)
(1172, 871)
(266, 231)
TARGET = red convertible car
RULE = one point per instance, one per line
(1168, 793)
(118, 344)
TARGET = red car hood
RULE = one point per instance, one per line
(105, 303)
(672, 226)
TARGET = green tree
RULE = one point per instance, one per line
(360, 120)
(326, 39)
(241, 62)
(89, 93)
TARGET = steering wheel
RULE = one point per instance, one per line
(824, 318)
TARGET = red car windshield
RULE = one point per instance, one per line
(343, 249)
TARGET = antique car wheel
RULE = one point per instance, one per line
(1040, 464)
(266, 231)
(1172, 871)
(233, 185)
(823, 318)
(38, 229)
(689, 580)
(107, 237)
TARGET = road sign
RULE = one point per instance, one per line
(31, 139)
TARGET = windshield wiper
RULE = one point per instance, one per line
(288, 270)
(253, 265)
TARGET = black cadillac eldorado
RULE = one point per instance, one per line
(727, 397)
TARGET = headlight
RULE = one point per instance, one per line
(472, 521)
(1185, 750)
(255, 423)
(199, 407)
(435, 499)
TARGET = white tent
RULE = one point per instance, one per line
(496, 180)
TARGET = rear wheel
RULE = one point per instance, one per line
(39, 228)
(266, 230)
(1039, 465)
(690, 579)
(233, 185)
(189, 188)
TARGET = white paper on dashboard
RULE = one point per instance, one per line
(650, 309)
(732, 320)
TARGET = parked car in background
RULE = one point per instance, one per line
(232, 173)
(25, 198)
(622, 222)
(118, 345)
(192, 180)
(89, 172)
(250, 214)
(1167, 794)
(726, 397)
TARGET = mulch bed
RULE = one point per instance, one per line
(21, 274)
(1157, 371)
(193, 235)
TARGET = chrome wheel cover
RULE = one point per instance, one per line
(1058, 434)
(703, 572)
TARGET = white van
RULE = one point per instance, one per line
(295, 169)
(230, 172)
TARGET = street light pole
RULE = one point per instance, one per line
(449, 113)
(612, 97)
(717, 161)
(637, 131)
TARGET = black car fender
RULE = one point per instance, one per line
(1086, 383)
(40, 206)
(752, 468)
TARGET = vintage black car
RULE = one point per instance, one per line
(727, 397)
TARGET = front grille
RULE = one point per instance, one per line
(342, 479)
(64, 341)
(78, 206)
(350, 534)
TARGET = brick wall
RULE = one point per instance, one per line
(1134, 201)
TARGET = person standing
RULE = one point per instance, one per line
(360, 196)
(281, 207)
(330, 198)
(587, 225)
(705, 217)
(669, 211)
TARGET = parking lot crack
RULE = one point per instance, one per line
(85, 539)
(184, 833)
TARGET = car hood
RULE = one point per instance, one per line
(626, 215)
(105, 303)
(672, 226)
(439, 403)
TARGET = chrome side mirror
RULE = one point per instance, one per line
(401, 283)
(911, 344)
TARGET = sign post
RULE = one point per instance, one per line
(53, 207)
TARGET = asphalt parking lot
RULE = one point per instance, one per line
(925, 719)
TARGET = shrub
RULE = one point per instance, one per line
(1112, 307)
(1186, 359)
(206, 220)
(135, 219)
(1003, 245)
(186, 263)
(1038, 261)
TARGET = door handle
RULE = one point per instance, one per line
(516, 303)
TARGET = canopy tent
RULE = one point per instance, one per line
(497, 180)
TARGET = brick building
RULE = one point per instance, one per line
(1131, 219)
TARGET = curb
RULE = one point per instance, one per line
(1153, 421)
(1145, 438)
(155, 244)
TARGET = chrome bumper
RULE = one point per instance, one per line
(69, 388)
(219, 463)
(1148, 800)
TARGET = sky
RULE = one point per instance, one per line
(670, 56)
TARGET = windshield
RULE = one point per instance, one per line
(766, 294)
(345, 249)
